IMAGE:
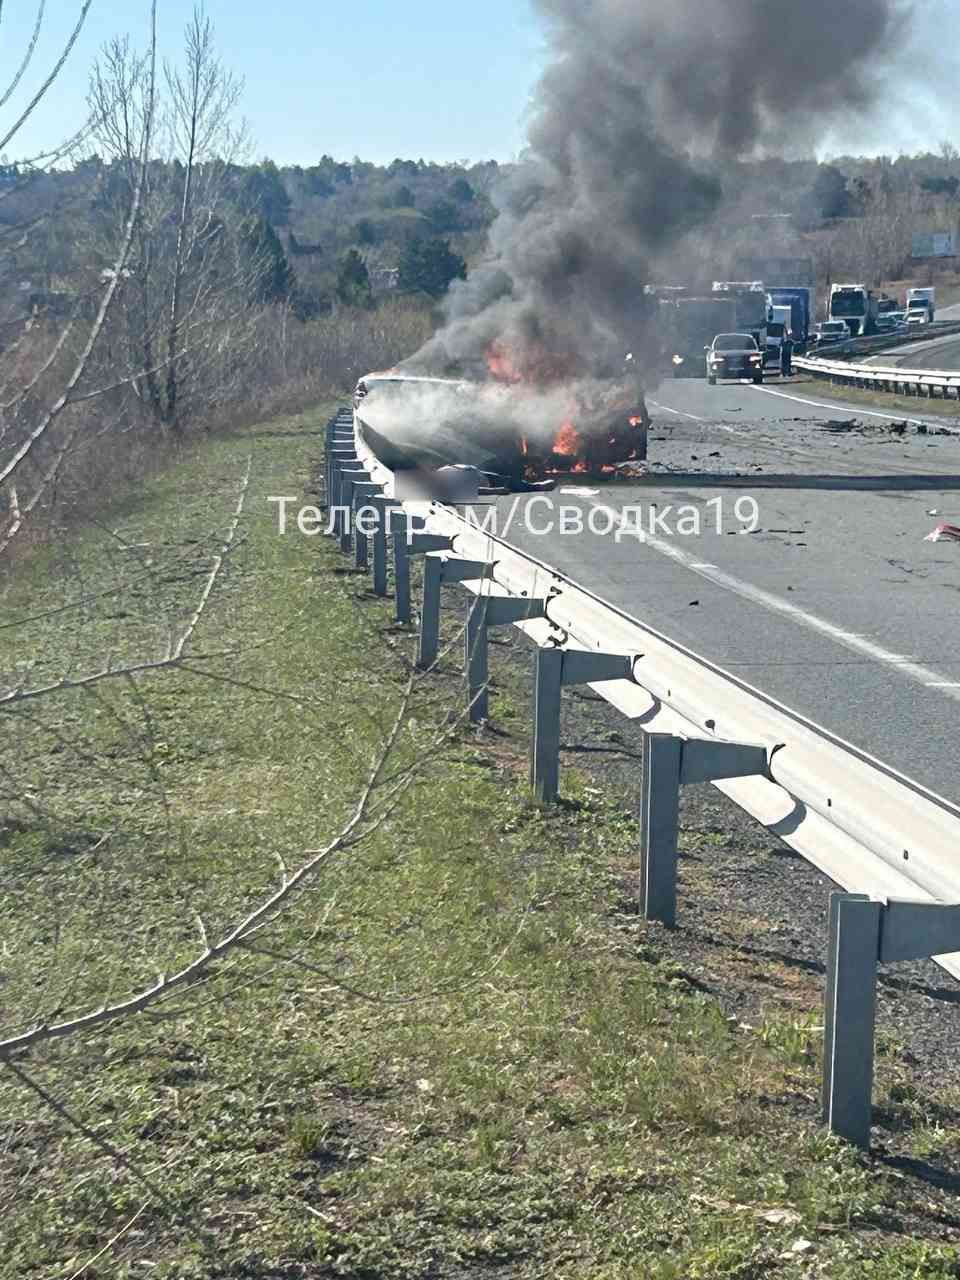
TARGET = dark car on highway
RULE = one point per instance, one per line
(734, 355)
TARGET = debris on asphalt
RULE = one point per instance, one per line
(933, 512)
(837, 425)
(944, 533)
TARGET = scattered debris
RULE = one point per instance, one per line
(934, 511)
(798, 1247)
(693, 604)
(837, 425)
(944, 533)
(775, 1217)
(780, 1217)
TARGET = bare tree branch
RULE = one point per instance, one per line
(27, 57)
(57, 68)
(265, 912)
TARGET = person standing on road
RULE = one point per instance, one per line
(786, 356)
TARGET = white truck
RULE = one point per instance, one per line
(857, 305)
(920, 305)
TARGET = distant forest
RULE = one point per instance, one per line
(352, 232)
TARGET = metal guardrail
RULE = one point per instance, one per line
(841, 370)
(885, 342)
(930, 383)
(887, 840)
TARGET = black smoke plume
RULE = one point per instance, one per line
(643, 104)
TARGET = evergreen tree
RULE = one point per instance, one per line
(353, 281)
(444, 216)
(267, 195)
(274, 279)
(462, 192)
(365, 232)
(429, 266)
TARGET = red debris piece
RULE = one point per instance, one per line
(944, 533)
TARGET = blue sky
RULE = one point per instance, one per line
(383, 78)
(375, 78)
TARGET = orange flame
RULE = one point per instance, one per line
(567, 442)
(636, 422)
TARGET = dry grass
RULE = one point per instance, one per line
(560, 1100)
(112, 444)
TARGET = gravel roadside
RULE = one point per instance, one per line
(752, 924)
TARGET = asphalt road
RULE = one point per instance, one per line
(834, 604)
(941, 354)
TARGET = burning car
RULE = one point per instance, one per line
(518, 433)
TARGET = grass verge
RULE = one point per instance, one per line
(909, 406)
(460, 1054)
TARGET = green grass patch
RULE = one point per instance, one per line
(909, 406)
(458, 1054)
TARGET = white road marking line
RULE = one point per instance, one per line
(776, 604)
(734, 431)
(678, 411)
(854, 409)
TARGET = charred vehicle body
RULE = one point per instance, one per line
(502, 429)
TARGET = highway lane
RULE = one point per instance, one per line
(941, 354)
(835, 603)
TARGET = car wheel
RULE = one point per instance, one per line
(758, 378)
(711, 379)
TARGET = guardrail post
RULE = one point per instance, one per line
(862, 934)
(339, 456)
(363, 491)
(348, 473)
(850, 1015)
(670, 763)
(437, 570)
(486, 612)
(659, 823)
(545, 757)
(399, 524)
(429, 642)
(556, 668)
(477, 662)
(382, 506)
